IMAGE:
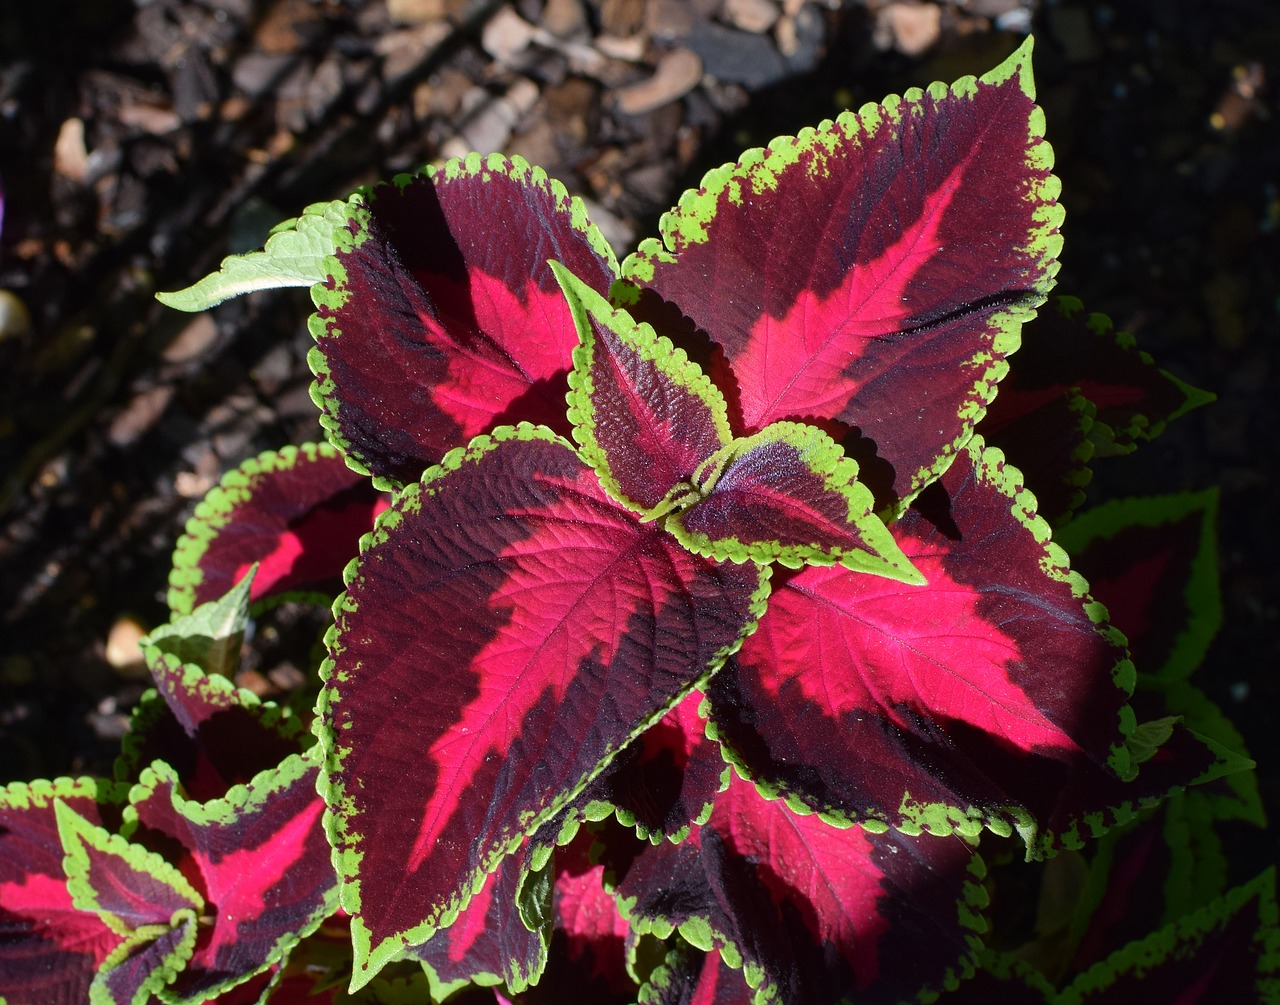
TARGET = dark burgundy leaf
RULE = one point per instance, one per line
(668, 777)
(788, 494)
(212, 733)
(1154, 563)
(810, 912)
(488, 943)
(877, 270)
(141, 966)
(262, 859)
(508, 629)
(965, 702)
(51, 949)
(646, 417)
(691, 977)
(443, 317)
(298, 513)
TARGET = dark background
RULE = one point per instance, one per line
(203, 122)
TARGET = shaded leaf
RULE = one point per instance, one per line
(297, 513)
(437, 324)
(507, 630)
(295, 254)
(211, 635)
(892, 308)
(969, 701)
(808, 911)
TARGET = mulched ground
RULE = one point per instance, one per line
(142, 140)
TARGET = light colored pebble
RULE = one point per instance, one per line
(678, 72)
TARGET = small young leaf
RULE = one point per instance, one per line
(212, 634)
(439, 322)
(295, 254)
(646, 416)
(507, 630)
(789, 494)
(877, 270)
(298, 513)
(810, 912)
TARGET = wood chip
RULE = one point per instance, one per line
(678, 72)
(70, 158)
(910, 28)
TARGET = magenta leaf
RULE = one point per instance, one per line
(810, 912)
(669, 776)
(507, 630)
(213, 734)
(142, 898)
(789, 494)
(877, 270)
(261, 857)
(489, 942)
(298, 513)
(443, 318)
(969, 700)
(646, 417)
(51, 949)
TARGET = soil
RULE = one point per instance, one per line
(142, 140)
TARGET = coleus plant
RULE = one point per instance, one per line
(700, 626)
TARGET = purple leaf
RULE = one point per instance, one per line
(668, 777)
(508, 629)
(51, 949)
(788, 494)
(875, 271)
(297, 513)
(262, 859)
(646, 416)
(443, 318)
(810, 912)
(212, 733)
(489, 942)
(143, 964)
(968, 700)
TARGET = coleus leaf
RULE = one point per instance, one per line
(969, 700)
(489, 942)
(295, 254)
(437, 325)
(669, 776)
(262, 860)
(688, 976)
(1227, 951)
(213, 734)
(211, 635)
(142, 898)
(893, 308)
(657, 433)
(51, 949)
(298, 513)
(507, 630)
(808, 911)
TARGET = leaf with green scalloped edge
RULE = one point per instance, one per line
(296, 254)
(1227, 951)
(812, 912)
(211, 635)
(442, 319)
(51, 949)
(789, 494)
(142, 898)
(297, 513)
(688, 976)
(668, 777)
(646, 417)
(213, 734)
(262, 857)
(969, 701)
(506, 631)
(876, 271)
